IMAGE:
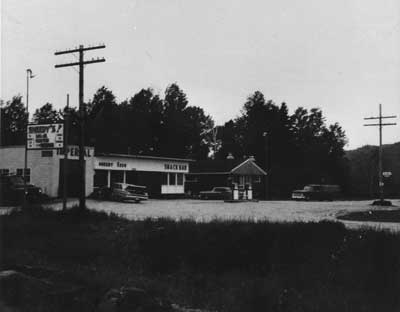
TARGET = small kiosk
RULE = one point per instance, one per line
(244, 176)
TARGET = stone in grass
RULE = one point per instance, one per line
(17, 288)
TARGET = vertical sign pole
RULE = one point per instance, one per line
(65, 169)
(26, 139)
(267, 167)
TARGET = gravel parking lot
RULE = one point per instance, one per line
(205, 211)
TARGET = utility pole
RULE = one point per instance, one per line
(381, 200)
(65, 170)
(81, 49)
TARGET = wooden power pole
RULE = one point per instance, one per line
(380, 124)
(81, 49)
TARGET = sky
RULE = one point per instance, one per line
(341, 56)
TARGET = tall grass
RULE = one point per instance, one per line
(228, 266)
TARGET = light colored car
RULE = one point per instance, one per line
(128, 192)
(122, 192)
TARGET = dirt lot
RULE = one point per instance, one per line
(204, 211)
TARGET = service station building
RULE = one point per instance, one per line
(161, 175)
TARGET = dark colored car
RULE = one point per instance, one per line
(317, 192)
(12, 190)
(122, 192)
(217, 193)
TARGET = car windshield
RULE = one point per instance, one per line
(312, 188)
(135, 188)
(221, 189)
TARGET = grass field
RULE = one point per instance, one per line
(272, 211)
(219, 265)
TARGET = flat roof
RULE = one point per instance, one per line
(143, 157)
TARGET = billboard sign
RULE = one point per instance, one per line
(46, 136)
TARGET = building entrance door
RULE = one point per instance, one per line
(73, 178)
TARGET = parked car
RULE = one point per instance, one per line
(122, 192)
(12, 190)
(217, 193)
(317, 192)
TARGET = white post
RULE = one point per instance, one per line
(124, 177)
(250, 193)
(108, 178)
(235, 192)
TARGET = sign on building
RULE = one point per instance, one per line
(46, 136)
(387, 174)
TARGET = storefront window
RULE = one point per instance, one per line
(132, 177)
(4, 171)
(172, 178)
(164, 179)
(100, 178)
(180, 178)
(117, 176)
(20, 172)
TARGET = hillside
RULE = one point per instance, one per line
(363, 163)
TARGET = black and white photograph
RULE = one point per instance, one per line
(200, 156)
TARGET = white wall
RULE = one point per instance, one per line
(140, 164)
(45, 171)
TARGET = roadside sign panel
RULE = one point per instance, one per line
(45, 136)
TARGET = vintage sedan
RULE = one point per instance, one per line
(224, 193)
(317, 192)
(12, 190)
(122, 192)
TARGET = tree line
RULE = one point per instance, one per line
(296, 149)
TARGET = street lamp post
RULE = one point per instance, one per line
(29, 75)
(267, 166)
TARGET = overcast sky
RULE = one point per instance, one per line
(342, 56)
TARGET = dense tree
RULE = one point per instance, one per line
(146, 124)
(295, 149)
(184, 128)
(72, 115)
(103, 125)
(198, 126)
(46, 114)
(13, 122)
(141, 119)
